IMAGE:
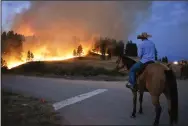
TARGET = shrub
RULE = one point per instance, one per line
(185, 71)
(4, 69)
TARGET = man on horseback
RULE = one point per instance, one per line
(146, 53)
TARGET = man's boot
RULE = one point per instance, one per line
(129, 85)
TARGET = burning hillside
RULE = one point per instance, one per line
(33, 51)
(53, 30)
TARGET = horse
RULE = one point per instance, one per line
(155, 78)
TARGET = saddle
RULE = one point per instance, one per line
(141, 70)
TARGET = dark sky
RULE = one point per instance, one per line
(168, 25)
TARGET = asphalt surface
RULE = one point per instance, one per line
(112, 107)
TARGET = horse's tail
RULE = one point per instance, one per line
(173, 94)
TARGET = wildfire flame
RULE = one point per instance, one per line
(14, 63)
(98, 53)
(45, 50)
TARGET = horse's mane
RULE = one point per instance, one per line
(129, 62)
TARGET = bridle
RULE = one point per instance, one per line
(118, 61)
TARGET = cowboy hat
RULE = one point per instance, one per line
(144, 35)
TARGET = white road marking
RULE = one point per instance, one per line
(79, 98)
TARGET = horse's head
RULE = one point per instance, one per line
(129, 62)
(118, 62)
(126, 61)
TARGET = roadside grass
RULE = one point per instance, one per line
(19, 110)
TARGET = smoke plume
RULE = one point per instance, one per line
(61, 25)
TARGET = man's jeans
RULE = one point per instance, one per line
(132, 72)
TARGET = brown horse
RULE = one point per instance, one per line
(156, 79)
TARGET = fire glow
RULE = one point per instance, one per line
(38, 57)
(98, 53)
(14, 63)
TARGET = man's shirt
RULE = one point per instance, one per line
(146, 51)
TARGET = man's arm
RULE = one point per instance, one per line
(140, 51)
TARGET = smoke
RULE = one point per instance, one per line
(60, 25)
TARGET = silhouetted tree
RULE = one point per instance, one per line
(109, 54)
(165, 59)
(159, 60)
(120, 48)
(103, 45)
(131, 49)
(156, 54)
(79, 50)
(3, 63)
(12, 44)
(28, 56)
(31, 56)
(4, 67)
(74, 52)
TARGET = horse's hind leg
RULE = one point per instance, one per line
(155, 101)
(141, 100)
(134, 104)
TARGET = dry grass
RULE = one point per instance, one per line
(84, 66)
(18, 110)
(93, 61)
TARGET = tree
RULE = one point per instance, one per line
(165, 59)
(120, 48)
(103, 47)
(3, 63)
(31, 56)
(74, 52)
(156, 54)
(131, 49)
(28, 56)
(12, 44)
(79, 50)
(109, 54)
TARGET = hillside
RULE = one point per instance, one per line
(84, 66)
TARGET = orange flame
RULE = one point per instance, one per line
(11, 63)
(47, 50)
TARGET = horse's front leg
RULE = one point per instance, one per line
(141, 100)
(134, 104)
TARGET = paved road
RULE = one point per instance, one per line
(110, 107)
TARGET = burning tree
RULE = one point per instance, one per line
(79, 50)
(12, 44)
(103, 47)
(74, 52)
(4, 67)
(30, 56)
(3, 63)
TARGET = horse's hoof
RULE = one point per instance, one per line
(140, 112)
(133, 116)
(155, 124)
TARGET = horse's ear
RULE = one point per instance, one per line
(169, 65)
